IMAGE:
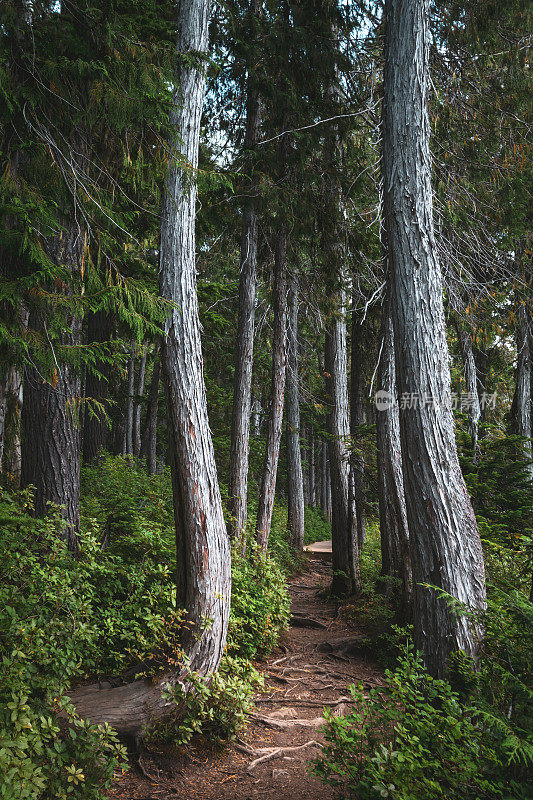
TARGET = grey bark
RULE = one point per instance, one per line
(311, 467)
(128, 426)
(345, 556)
(242, 385)
(523, 410)
(445, 544)
(473, 406)
(138, 405)
(357, 418)
(277, 392)
(323, 477)
(295, 492)
(394, 532)
(149, 439)
(256, 416)
(203, 553)
(11, 442)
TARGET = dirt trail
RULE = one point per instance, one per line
(303, 674)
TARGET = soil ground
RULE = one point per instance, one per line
(300, 676)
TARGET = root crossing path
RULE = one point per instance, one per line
(316, 661)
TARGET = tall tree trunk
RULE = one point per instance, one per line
(329, 512)
(295, 493)
(128, 426)
(12, 448)
(357, 418)
(395, 557)
(256, 417)
(50, 432)
(345, 557)
(473, 406)
(277, 392)
(323, 477)
(311, 467)
(95, 428)
(149, 438)
(445, 544)
(523, 398)
(244, 350)
(138, 405)
(203, 554)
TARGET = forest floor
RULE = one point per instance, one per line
(312, 667)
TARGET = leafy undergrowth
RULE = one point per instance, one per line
(418, 737)
(467, 737)
(111, 611)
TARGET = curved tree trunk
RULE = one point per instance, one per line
(203, 553)
(277, 393)
(445, 544)
(295, 494)
(244, 350)
(395, 558)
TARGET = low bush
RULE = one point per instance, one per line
(420, 737)
(259, 604)
(217, 707)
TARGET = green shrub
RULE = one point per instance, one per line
(259, 604)
(418, 738)
(317, 526)
(51, 629)
(133, 510)
(216, 707)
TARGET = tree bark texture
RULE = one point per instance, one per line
(345, 557)
(357, 418)
(394, 532)
(323, 477)
(277, 392)
(523, 409)
(295, 493)
(203, 553)
(445, 543)
(128, 426)
(138, 404)
(473, 406)
(311, 467)
(244, 350)
(50, 430)
(149, 438)
(11, 442)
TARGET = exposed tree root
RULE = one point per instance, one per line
(269, 753)
(287, 724)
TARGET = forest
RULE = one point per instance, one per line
(266, 400)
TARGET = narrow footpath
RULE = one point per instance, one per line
(311, 668)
